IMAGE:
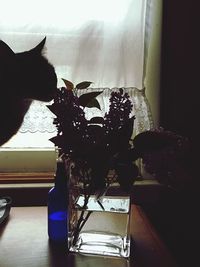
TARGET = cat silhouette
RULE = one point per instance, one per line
(24, 77)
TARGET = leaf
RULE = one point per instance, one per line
(98, 120)
(93, 104)
(52, 108)
(86, 98)
(68, 84)
(83, 85)
(57, 140)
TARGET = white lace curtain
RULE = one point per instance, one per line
(103, 41)
(42, 117)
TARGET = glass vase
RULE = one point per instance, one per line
(98, 225)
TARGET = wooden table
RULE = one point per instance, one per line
(24, 243)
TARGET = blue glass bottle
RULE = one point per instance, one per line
(57, 206)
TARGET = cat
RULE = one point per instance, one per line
(24, 77)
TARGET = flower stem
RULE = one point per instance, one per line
(81, 221)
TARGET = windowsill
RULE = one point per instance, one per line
(137, 184)
(26, 185)
(30, 194)
(26, 178)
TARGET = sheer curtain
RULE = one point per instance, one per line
(103, 41)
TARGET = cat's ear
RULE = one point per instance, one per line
(6, 52)
(40, 47)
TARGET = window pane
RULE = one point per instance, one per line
(83, 43)
(36, 129)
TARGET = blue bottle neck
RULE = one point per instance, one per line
(60, 176)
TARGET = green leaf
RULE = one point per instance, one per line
(93, 104)
(69, 85)
(52, 108)
(57, 140)
(83, 85)
(85, 99)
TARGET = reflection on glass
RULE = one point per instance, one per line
(105, 226)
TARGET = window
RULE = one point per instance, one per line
(103, 41)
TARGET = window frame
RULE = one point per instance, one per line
(43, 173)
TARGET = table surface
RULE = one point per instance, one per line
(24, 243)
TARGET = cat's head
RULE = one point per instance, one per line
(30, 74)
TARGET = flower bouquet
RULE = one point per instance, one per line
(97, 145)
(99, 152)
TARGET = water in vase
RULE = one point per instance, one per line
(104, 226)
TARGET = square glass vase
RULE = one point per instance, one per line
(101, 227)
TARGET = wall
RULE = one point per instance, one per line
(152, 81)
(177, 213)
(179, 89)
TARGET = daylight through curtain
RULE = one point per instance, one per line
(103, 41)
